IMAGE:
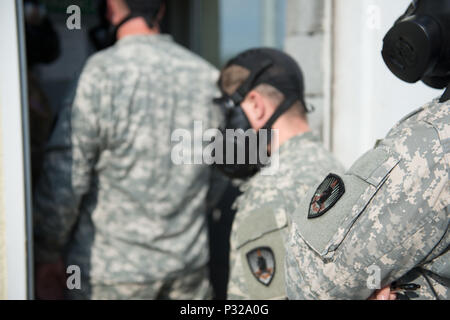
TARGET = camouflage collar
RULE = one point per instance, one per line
(297, 142)
(145, 38)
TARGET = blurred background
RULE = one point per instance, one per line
(336, 42)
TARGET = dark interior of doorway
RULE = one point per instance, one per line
(53, 83)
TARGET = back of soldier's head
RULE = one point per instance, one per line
(281, 79)
(147, 9)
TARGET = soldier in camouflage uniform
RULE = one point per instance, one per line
(260, 228)
(387, 218)
(110, 197)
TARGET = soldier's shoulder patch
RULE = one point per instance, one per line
(262, 264)
(326, 196)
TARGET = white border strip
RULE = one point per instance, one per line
(13, 164)
(2, 222)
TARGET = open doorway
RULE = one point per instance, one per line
(185, 21)
(214, 29)
(56, 55)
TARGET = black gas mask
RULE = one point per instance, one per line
(104, 35)
(418, 46)
(246, 152)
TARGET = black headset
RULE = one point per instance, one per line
(417, 47)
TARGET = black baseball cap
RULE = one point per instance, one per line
(268, 66)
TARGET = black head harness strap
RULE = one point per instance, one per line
(121, 23)
(284, 106)
(239, 95)
(446, 96)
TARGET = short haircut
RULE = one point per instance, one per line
(149, 9)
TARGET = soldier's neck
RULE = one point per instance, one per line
(289, 128)
(136, 26)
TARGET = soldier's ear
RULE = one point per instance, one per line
(254, 109)
(161, 13)
(258, 106)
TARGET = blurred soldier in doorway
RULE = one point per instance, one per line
(110, 200)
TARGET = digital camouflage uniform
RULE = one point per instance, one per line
(261, 225)
(110, 195)
(392, 218)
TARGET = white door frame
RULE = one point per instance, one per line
(16, 188)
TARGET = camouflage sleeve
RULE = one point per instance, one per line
(69, 161)
(237, 290)
(260, 223)
(393, 213)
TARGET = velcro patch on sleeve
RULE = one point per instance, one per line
(326, 196)
(261, 262)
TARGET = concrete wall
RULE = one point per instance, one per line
(338, 45)
(367, 98)
(308, 41)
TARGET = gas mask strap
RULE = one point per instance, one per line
(121, 23)
(283, 108)
(410, 11)
(239, 95)
(446, 96)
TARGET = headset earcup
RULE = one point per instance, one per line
(412, 47)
